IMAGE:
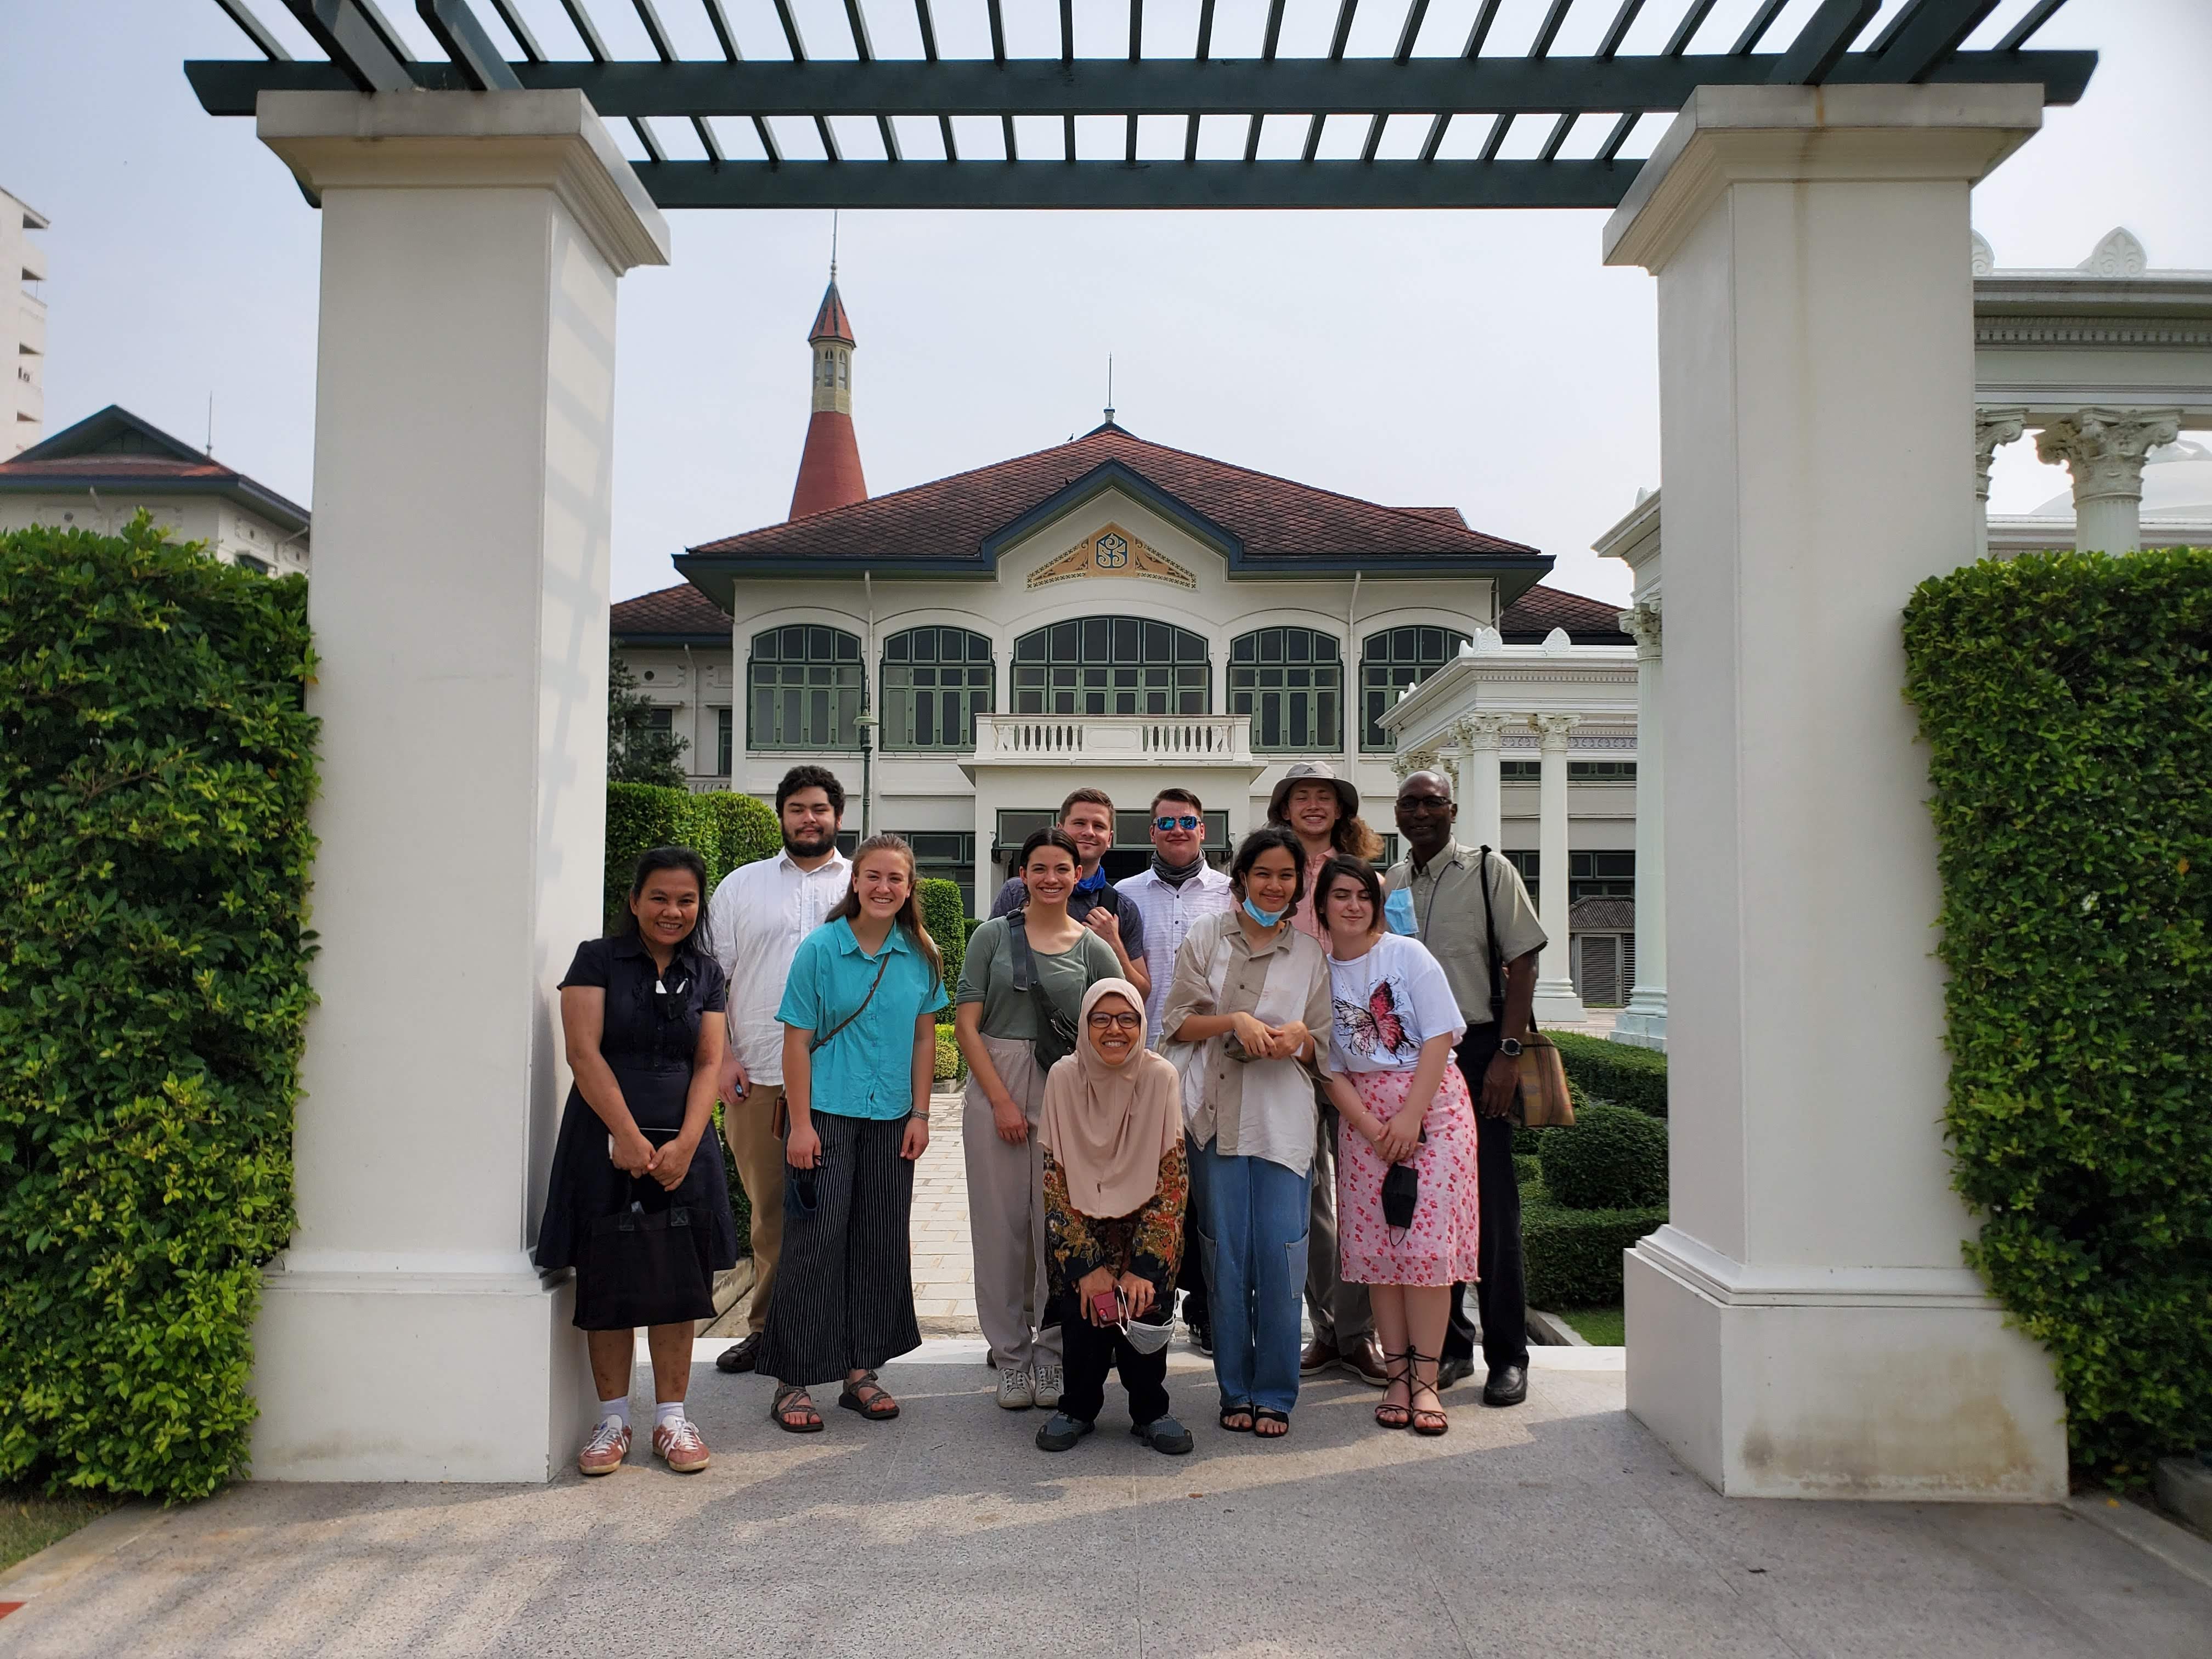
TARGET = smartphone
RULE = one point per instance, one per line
(1107, 1304)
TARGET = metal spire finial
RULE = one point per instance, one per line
(833, 245)
(1109, 388)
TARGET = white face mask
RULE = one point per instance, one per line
(1145, 1339)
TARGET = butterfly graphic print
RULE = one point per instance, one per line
(1377, 1029)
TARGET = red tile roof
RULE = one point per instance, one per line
(1540, 610)
(1274, 517)
(831, 322)
(678, 612)
(830, 473)
(116, 449)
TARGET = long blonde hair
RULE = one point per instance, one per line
(909, 913)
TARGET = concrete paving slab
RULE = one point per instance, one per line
(1560, 1526)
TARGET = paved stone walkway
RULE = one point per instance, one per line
(944, 1258)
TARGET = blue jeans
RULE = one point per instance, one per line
(1254, 1240)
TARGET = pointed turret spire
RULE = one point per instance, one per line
(829, 467)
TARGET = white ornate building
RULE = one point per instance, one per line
(23, 326)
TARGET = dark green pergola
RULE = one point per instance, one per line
(1921, 42)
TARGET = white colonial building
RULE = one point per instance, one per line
(23, 326)
(1109, 611)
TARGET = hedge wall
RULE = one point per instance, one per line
(2065, 701)
(1613, 1158)
(726, 830)
(155, 767)
(946, 917)
(1599, 1069)
(1574, 1255)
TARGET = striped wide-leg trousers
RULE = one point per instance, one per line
(844, 1291)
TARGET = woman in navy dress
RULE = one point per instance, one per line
(633, 1015)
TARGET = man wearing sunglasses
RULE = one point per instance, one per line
(1178, 889)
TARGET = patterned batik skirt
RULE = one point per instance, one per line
(1440, 1247)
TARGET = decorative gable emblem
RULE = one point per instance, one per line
(1113, 552)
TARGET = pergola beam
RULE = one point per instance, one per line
(823, 89)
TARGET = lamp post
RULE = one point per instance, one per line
(865, 723)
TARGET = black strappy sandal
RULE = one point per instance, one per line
(1244, 1411)
(1399, 1415)
(1437, 1423)
(877, 1407)
(1269, 1415)
(782, 1403)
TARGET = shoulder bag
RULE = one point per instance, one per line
(644, 1266)
(1055, 1038)
(1542, 1101)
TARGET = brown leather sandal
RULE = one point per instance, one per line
(875, 1405)
(793, 1413)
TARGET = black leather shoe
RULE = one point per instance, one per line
(1508, 1386)
(1454, 1368)
(740, 1356)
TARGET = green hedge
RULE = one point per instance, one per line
(726, 830)
(943, 915)
(950, 1066)
(1612, 1158)
(155, 766)
(1573, 1256)
(1598, 1069)
(2065, 701)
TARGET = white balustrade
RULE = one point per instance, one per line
(1109, 739)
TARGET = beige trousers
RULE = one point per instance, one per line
(1005, 1216)
(750, 1128)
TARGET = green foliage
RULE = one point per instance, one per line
(969, 925)
(1601, 1327)
(638, 752)
(1573, 1256)
(725, 829)
(156, 763)
(943, 914)
(1526, 1167)
(950, 1066)
(1598, 1069)
(2065, 701)
(1612, 1158)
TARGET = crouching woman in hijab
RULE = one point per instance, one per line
(1116, 1182)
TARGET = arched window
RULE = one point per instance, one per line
(1392, 660)
(1290, 682)
(1112, 666)
(935, 681)
(803, 688)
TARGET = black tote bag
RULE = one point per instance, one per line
(644, 1266)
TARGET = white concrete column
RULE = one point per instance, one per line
(2104, 449)
(464, 381)
(1804, 1326)
(1993, 429)
(1481, 812)
(1643, 1021)
(1556, 997)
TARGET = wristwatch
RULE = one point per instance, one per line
(1509, 1046)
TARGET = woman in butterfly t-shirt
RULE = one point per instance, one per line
(1393, 1026)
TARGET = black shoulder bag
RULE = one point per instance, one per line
(644, 1266)
(1055, 1037)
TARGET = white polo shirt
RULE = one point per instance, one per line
(755, 921)
(1169, 911)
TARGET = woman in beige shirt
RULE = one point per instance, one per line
(1250, 995)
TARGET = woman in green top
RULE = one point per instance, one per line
(1009, 1047)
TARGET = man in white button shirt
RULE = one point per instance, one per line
(759, 913)
(1178, 889)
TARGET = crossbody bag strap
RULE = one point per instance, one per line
(1490, 940)
(817, 1045)
(1026, 978)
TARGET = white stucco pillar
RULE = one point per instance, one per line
(1556, 997)
(1481, 812)
(464, 382)
(2104, 449)
(1804, 1328)
(1643, 1021)
(1993, 429)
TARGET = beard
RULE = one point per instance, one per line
(809, 844)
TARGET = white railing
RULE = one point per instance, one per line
(1110, 739)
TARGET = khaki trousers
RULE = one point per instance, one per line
(1338, 1308)
(1006, 1217)
(749, 1127)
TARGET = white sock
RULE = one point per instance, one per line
(617, 1409)
(665, 1412)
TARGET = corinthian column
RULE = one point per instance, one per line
(1557, 998)
(1480, 815)
(1993, 429)
(2104, 449)
(1643, 1021)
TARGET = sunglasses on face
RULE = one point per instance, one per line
(1186, 822)
(1112, 1022)
(1423, 804)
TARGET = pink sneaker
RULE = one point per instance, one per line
(679, 1445)
(604, 1452)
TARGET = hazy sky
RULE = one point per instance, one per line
(1485, 360)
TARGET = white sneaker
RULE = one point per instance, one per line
(1016, 1392)
(1048, 1385)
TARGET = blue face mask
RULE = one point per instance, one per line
(1265, 918)
(1398, 912)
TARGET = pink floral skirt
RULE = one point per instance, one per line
(1440, 1247)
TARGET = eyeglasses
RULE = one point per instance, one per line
(1186, 822)
(1111, 1022)
(1423, 804)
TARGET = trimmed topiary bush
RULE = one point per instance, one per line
(1600, 1070)
(746, 831)
(1573, 1256)
(952, 1067)
(725, 829)
(2063, 699)
(156, 761)
(943, 915)
(1613, 1158)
